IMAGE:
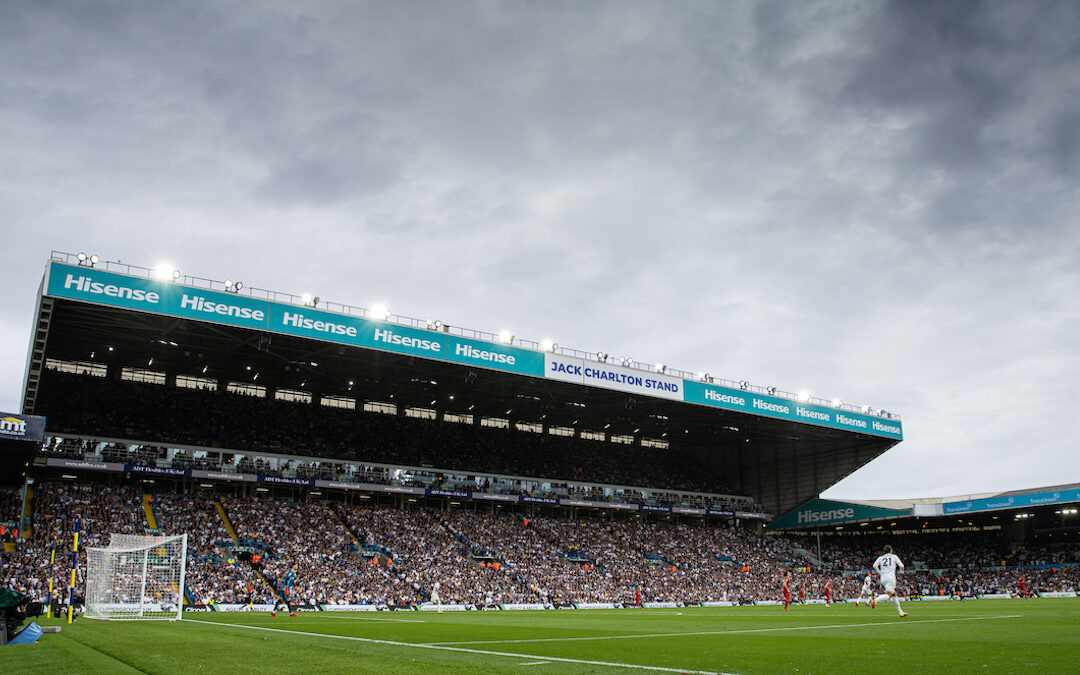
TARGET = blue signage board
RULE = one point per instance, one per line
(17, 427)
(1012, 501)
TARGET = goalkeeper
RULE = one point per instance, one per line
(284, 602)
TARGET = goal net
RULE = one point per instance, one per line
(136, 577)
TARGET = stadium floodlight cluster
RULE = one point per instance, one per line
(380, 312)
(137, 577)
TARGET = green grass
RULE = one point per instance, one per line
(989, 636)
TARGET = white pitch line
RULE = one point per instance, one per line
(722, 632)
(485, 652)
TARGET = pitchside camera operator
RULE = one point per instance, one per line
(15, 607)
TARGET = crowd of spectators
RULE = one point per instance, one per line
(58, 508)
(339, 553)
(931, 550)
(10, 512)
(215, 572)
(83, 404)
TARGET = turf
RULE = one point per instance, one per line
(989, 636)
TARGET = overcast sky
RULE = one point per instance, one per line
(872, 201)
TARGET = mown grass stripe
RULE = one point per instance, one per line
(484, 652)
(726, 632)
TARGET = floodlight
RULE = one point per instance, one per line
(94, 259)
(660, 367)
(315, 301)
(548, 345)
(506, 337)
(602, 356)
(176, 274)
(163, 271)
(744, 385)
(836, 403)
(306, 298)
(770, 391)
(625, 360)
(804, 395)
(81, 257)
(228, 284)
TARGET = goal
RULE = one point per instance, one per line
(136, 577)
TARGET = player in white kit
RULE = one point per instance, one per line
(867, 591)
(435, 600)
(888, 565)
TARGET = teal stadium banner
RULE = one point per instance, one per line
(826, 512)
(1012, 501)
(786, 409)
(87, 284)
(148, 295)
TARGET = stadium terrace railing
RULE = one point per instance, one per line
(365, 313)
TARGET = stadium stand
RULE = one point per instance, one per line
(100, 407)
(377, 554)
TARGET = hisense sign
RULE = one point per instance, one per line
(825, 512)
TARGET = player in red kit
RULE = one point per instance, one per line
(1021, 586)
(828, 592)
(802, 594)
(787, 591)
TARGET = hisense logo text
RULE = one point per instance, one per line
(198, 303)
(713, 395)
(390, 337)
(471, 352)
(300, 321)
(887, 428)
(86, 285)
(819, 516)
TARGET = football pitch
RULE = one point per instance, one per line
(988, 636)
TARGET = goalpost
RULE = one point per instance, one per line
(137, 577)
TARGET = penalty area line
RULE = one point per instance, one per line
(727, 632)
(445, 648)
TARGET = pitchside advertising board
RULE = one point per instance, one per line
(87, 284)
